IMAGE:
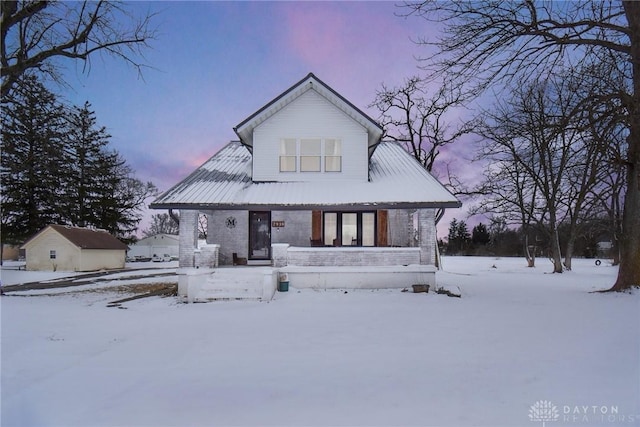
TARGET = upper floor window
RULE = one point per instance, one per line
(288, 155)
(310, 155)
(52, 254)
(332, 155)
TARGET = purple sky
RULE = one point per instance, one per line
(215, 63)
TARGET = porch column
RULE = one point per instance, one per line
(427, 236)
(188, 237)
(279, 255)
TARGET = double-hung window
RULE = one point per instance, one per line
(288, 155)
(310, 155)
(332, 155)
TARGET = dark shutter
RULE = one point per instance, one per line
(383, 223)
(316, 225)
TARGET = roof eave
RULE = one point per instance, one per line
(307, 206)
(375, 130)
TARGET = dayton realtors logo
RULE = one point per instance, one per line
(543, 410)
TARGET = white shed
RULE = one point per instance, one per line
(65, 248)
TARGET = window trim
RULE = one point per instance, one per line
(300, 157)
(359, 227)
(285, 155)
(326, 156)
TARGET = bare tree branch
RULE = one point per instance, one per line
(35, 33)
(502, 43)
(413, 116)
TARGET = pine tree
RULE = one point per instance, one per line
(57, 168)
(452, 241)
(32, 151)
(480, 235)
(120, 197)
(86, 144)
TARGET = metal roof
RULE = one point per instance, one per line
(396, 180)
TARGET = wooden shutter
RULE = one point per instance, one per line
(316, 225)
(383, 224)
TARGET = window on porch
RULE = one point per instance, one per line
(349, 228)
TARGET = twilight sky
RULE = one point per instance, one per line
(215, 63)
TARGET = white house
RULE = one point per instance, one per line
(65, 248)
(159, 244)
(311, 191)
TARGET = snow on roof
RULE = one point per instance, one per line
(84, 238)
(396, 180)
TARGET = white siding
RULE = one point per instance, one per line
(310, 116)
(68, 256)
(38, 253)
(100, 259)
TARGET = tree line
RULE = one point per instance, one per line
(58, 168)
(498, 239)
(561, 144)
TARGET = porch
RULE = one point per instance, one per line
(306, 267)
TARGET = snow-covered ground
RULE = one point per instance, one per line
(518, 336)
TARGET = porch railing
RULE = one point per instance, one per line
(284, 254)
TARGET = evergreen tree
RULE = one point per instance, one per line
(452, 237)
(57, 168)
(463, 237)
(32, 152)
(120, 197)
(480, 235)
(459, 237)
(86, 144)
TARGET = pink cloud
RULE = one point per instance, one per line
(353, 46)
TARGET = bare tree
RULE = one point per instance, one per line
(202, 226)
(495, 42)
(161, 224)
(541, 165)
(410, 114)
(35, 34)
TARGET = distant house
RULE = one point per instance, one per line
(65, 248)
(159, 244)
(311, 190)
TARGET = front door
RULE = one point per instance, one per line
(259, 235)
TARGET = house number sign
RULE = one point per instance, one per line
(231, 222)
(277, 224)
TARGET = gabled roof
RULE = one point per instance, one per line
(396, 181)
(245, 129)
(84, 238)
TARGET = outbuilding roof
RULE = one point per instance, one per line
(84, 238)
(396, 181)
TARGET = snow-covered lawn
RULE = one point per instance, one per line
(516, 337)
